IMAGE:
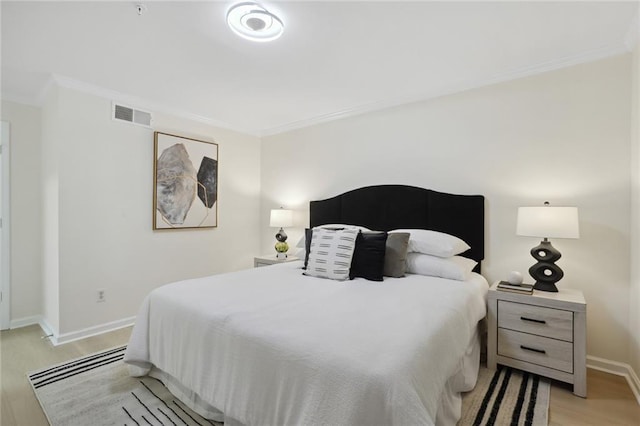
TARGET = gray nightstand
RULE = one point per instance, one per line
(543, 333)
(270, 259)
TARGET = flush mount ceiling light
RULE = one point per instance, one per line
(251, 21)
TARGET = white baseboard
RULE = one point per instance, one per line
(92, 331)
(619, 369)
(24, 322)
(59, 339)
(48, 330)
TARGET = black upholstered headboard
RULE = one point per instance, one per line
(387, 207)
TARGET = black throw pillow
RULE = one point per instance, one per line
(368, 256)
(308, 233)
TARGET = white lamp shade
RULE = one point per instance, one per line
(281, 218)
(548, 222)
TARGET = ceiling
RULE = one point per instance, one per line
(334, 58)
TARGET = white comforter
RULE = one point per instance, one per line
(268, 346)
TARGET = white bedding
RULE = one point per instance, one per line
(268, 346)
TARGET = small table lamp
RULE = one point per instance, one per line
(281, 218)
(547, 222)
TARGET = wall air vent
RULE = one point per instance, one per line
(131, 115)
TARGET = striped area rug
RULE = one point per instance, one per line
(97, 390)
(506, 397)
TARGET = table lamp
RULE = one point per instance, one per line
(281, 218)
(547, 222)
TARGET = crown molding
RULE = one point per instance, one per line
(136, 102)
(540, 68)
(37, 100)
(614, 49)
(119, 97)
(44, 91)
(19, 99)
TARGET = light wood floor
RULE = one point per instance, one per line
(22, 351)
(610, 401)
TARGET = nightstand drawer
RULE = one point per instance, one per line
(536, 350)
(551, 339)
(547, 322)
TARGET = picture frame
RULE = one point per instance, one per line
(185, 182)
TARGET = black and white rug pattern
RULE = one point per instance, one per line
(97, 390)
(507, 397)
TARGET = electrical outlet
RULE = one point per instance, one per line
(102, 296)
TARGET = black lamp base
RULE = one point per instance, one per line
(550, 287)
(546, 272)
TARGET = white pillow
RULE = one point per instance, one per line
(300, 253)
(330, 253)
(434, 243)
(455, 268)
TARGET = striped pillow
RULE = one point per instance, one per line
(330, 253)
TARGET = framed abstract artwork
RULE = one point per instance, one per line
(185, 182)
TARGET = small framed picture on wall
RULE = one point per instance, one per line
(185, 182)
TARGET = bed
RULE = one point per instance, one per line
(269, 346)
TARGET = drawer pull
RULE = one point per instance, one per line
(526, 348)
(533, 320)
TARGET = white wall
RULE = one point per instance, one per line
(101, 177)
(25, 209)
(82, 191)
(50, 212)
(635, 204)
(562, 136)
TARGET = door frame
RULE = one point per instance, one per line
(5, 254)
